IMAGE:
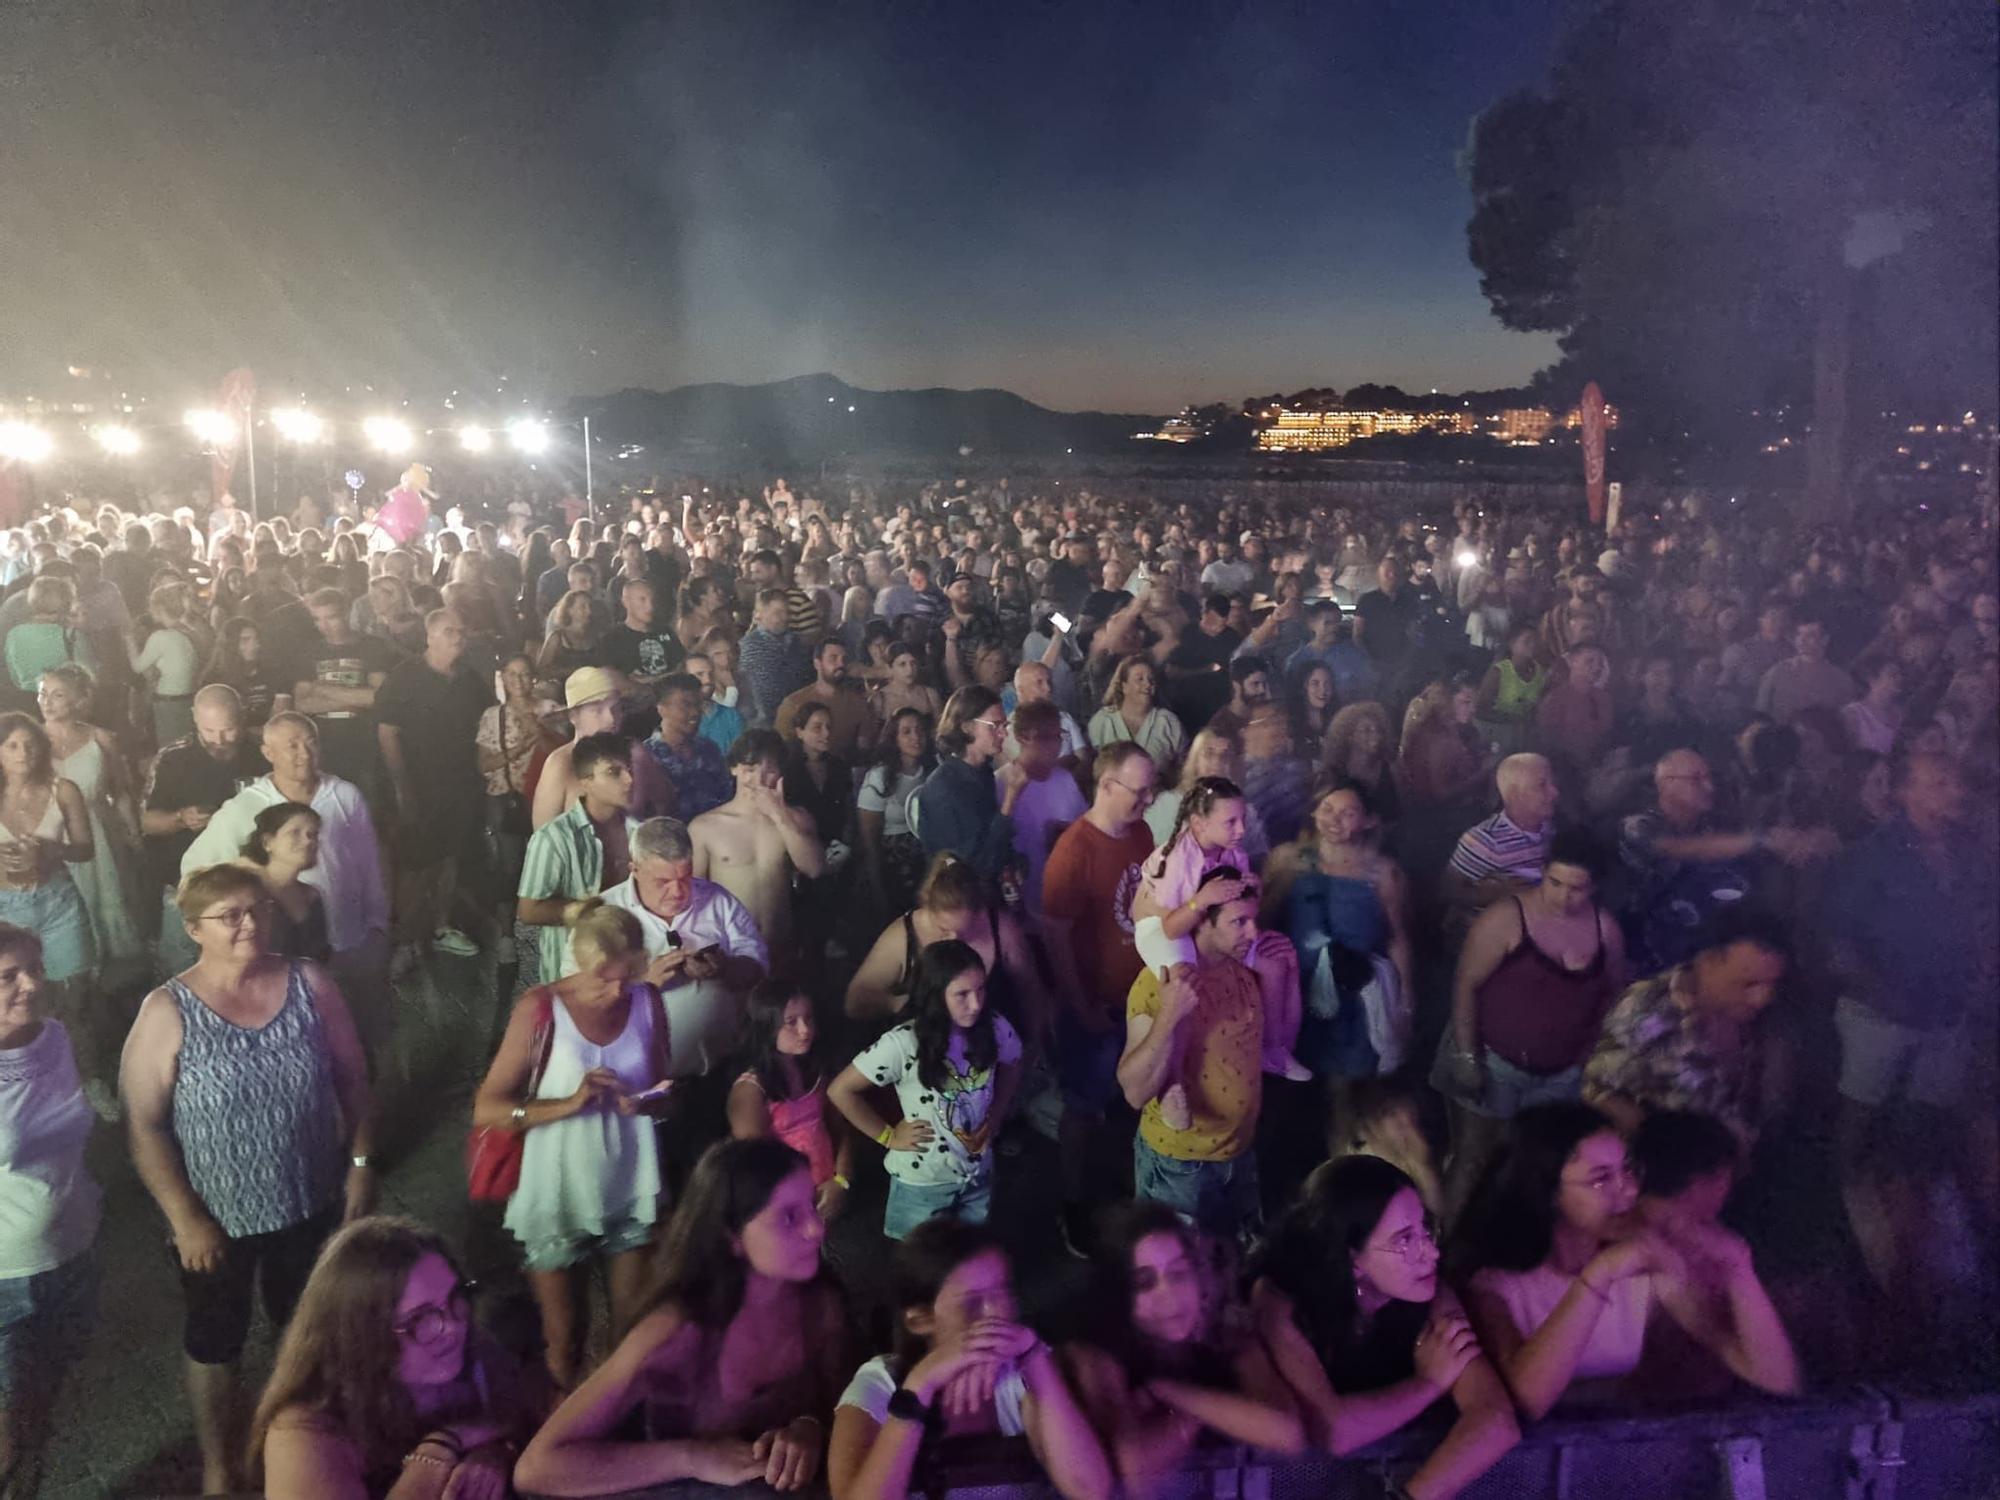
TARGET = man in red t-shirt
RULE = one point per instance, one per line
(1087, 891)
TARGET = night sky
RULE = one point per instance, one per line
(1124, 206)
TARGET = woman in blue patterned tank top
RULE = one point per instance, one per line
(247, 1095)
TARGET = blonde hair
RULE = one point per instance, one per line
(609, 932)
(203, 887)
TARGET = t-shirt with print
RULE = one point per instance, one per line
(1090, 881)
(346, 736)
(954, 1112)
(1219, 1062)
(642, 653)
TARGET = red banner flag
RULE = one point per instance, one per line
(234, 400)
(1593, 451)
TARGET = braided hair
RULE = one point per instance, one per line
(1199, 802)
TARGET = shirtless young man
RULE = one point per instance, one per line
(591, 697)
(751, 844)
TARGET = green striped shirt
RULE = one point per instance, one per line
(564, 862)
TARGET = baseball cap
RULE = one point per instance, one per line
(961, 577)
(588, 685)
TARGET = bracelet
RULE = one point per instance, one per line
(518, 1116)
(417, 1456)
(882, 1138)
(359, 1162)
(840, 1181)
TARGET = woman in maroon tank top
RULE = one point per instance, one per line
(1536, 976)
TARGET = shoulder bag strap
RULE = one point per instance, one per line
(544, 1041)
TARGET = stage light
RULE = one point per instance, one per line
(122, 441)
(297, 424)
(211, 426)
(1466, 558)
(388, 435)
(475, 439)
(528, 435)
(30, 445)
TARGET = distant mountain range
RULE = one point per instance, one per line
(819, 416)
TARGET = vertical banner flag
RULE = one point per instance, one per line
(1593, 451)
(239, 391)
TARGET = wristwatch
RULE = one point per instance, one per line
(906, 1405)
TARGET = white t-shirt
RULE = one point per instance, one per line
(49, 1206)
(1041, 812)
(874, 1383)
(877, 796)
(953, 1112)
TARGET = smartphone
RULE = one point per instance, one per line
(659, 1090)
(1060, 620)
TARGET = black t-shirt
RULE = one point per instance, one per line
(1197, 699)
(1387, 621)
(346, 736)
(186, 775)
(438, 715)
(649, 653)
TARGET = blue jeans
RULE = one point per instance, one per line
(910, 1204)
(1220, 1197)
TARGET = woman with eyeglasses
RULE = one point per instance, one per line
(246, 1095)
(1350, 1306)
(1566, 1279)
(383, 1386)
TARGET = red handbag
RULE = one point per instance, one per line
(493, 1153)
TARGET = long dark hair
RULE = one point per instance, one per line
(43, 768)
(225, 662)
(922, 1264)
(1510, 1220)
(1120, 1228)
(1310, 1256)
(339, 1355)
(937, 966)
(890, 756)
(699, 1269)
(763, 1017)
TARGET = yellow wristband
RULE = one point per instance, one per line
(842, 1183)
(883, 1138)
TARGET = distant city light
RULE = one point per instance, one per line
(209, 425)
(296, 424)
(388, 434)
(29, 445)
(474, 439)
(528, 435)
(122, 441)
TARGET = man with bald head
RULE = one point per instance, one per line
(1681, 871)
(1035, 683)
(190, 779)
(1503, 855)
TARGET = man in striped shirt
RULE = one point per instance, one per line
(1504, 853)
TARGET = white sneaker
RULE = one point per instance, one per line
(1174, 1111)
(454, 942)
(1287, 1066)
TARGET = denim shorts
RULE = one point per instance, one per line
(559, 1252)
(44, 1317)
(55, 913)
(910, 1204)
(1217, 1197)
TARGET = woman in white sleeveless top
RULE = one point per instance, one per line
(590, 1166)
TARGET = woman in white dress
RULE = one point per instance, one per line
(576, 1073)
(89, 757)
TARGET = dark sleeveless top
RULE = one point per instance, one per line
(998, 986)
(1538, 1015)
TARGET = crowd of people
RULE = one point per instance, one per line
(1467, 964)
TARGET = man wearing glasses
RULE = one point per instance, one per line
(967, 804)
(1087, 891)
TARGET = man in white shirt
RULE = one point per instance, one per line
(703, 948)
(349, 872)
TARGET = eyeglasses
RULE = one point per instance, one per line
(428, 1324)
(235, 918)
(998, 726)
(1409, 1243)
(1143, 793)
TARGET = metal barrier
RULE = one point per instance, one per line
(1864, 1445)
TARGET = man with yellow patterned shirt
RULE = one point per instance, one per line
(1200, 1033)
